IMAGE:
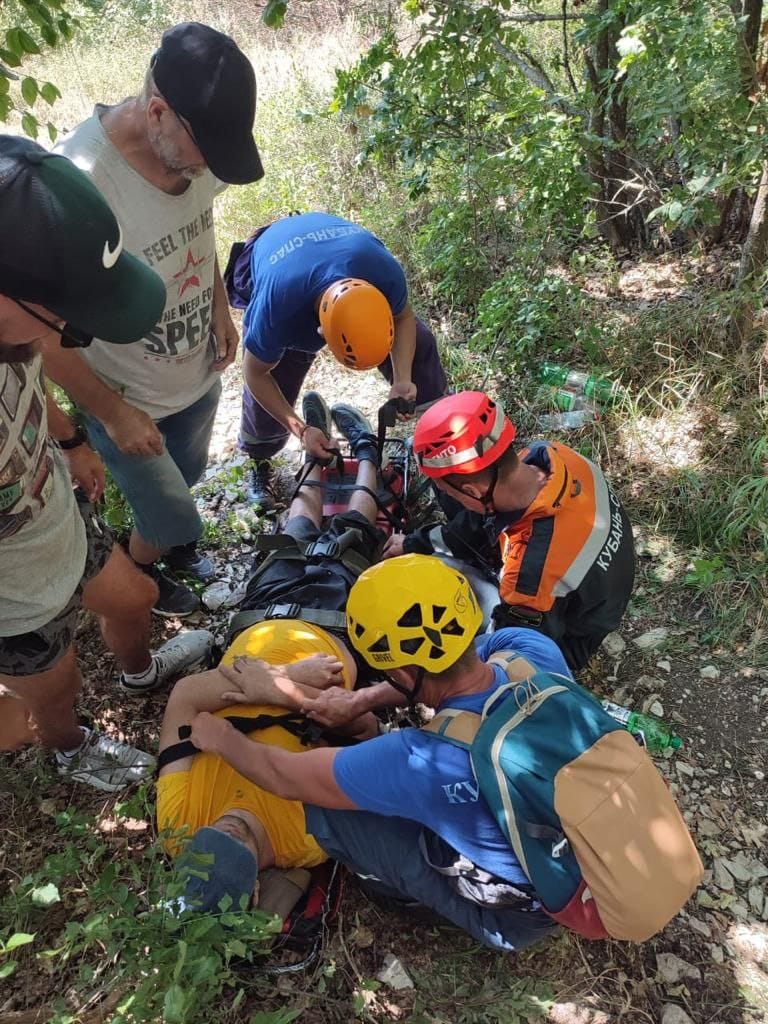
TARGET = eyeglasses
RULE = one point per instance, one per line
(186, 128)
(71, 337)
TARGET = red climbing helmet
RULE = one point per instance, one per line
(462, 433)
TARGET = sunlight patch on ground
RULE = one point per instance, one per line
(669, 442)
(573, 1013)
(750, 947)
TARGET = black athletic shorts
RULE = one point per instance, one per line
(323, 582)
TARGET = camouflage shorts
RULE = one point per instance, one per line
(40, 649)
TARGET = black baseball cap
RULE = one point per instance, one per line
(206, 79)
(217, 865)
(63, 248)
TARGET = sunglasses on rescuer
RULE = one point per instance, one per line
(71, 337)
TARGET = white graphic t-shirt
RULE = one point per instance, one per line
(42, 537)
(170, 368)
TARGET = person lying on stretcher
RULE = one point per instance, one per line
(292, 621)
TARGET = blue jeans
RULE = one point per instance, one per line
(387, 850)
(157, 486)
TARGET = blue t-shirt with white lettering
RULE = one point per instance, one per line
(411, 774)
(292, 264)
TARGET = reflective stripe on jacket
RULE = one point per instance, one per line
(574, 523)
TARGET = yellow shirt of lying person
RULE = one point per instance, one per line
(211, 787)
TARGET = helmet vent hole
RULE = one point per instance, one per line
(381, 646)
(436, 652)
(412, 645)
(359, 630)
(452, 628)
(412, 617)
(433, 636)
(438, 611)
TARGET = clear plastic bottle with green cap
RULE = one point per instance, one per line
(567, 400)
(648, 730)
(600, 389)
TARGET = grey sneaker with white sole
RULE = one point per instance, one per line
(182, 654)
(104, 763)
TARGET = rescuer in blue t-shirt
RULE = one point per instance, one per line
(291, 278)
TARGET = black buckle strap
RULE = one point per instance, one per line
(304, 729)
(323, 549)
(283, 611)
(388, 417)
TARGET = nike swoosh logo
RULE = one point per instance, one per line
(110, 256)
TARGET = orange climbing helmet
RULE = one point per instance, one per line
(462, 433)
(357, 323)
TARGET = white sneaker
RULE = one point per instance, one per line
(105, 763)
(185, 653)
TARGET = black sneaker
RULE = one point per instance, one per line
(175, 599)
(187, 560)
(358, 431)
(259, 486)
(316, 413)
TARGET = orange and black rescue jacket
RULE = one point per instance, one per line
(564, 565)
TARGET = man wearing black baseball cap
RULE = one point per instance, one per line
(159, 159)
(65, 277)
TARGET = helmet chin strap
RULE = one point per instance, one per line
(410, 695)
(486, 499)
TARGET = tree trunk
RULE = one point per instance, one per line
(754, 253)
(752, 267)
(749, 40)
(620, 179)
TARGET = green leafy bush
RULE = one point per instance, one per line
(117, 930)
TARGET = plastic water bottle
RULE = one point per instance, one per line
(649, 731)
(567, 400)
(567, 420)
(600, 389)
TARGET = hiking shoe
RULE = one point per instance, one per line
(174, 598)
(316, 413)
(358, 431)
(259, 486)
(187, 560)
(183, 654)
(104, 763)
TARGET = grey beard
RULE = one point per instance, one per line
(18, 353)
(168, 153)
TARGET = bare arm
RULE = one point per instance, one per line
(403, 351)
(265, 389)
(307, 777)
(129, 428)
(336, 708)
(212, 691)
(60, 426)
(84, 465)
(224, 330)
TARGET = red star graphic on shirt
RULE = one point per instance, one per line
(186, 277)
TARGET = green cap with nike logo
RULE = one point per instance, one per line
(63, 248)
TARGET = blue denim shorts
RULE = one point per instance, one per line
(385, 852)
(157, 486)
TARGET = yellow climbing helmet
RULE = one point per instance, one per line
(412, 610)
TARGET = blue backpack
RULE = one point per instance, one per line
(589, 817)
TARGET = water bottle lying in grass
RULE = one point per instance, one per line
(648, 730)
(567, 420)
(599, 389)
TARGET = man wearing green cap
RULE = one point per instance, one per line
(160, 158)
(65, 279)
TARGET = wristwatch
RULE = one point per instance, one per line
(78, 438)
